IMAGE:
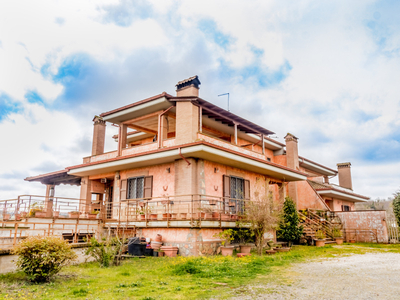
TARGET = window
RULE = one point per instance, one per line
(135, 188)
(345, 208)
(236, 190)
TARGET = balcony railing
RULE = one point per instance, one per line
(194, 207)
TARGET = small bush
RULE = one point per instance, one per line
(103, 252)
(188, 267)
(42, 257)
(80, 292)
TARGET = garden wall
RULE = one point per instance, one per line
(364, 226)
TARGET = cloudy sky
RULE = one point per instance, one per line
(326, 71)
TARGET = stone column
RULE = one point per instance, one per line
(48, 204)
(86, 195)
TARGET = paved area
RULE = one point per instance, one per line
(367, 276)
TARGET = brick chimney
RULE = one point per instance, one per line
(99, 135)
(188, 87)
(344, 170)
(187, 114)
(292, 161)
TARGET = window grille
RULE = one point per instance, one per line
(135, 188)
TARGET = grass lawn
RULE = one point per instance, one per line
(171, 278)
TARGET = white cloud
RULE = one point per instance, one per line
(340, 96)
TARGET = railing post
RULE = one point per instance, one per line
(15, 233)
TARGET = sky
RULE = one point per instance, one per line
(326, 71)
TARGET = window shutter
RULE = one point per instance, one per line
(247, 189)
(148, 187)
(122, 193)
(227, 186)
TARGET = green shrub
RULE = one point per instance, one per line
(106, 252)
(42, 257)
(396, 207)
(103, 252)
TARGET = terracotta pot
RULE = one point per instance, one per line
(40, 214)
(173, 216)
(158, 238)
(226, 251)
(72, 215)
(225, 217)
(283, 249)
(183, 216)
(56, 214)
(170, 251)
(245, 248)
(242, 254)
(18, 217)
(352, 240)
(23, 215)
(156, 245)
(6, 217)
(216, 215)
(320, 243)
(153, 217)
(270, 252)
(234, 217)
(142, 217)
(339, 241)
(160, 253)
(206, 216)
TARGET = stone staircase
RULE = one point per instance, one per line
(313, 220)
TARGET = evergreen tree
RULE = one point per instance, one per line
(289, 228)
(396, 207)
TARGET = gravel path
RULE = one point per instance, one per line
(367, 276)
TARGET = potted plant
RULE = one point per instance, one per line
(56, 214)
(161, 253)
(142, 216)
(153, 216)
(73, 214)
(93, 214)
(36, 210)
(320, 235)
(226, 237)
(245, 236)
(23, 214)
(337, 234)
(207, 213)
(6, 217)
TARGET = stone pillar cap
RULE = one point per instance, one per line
(98, 120)
(344, 165)
(290, 137)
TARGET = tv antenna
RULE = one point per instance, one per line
(228, 98)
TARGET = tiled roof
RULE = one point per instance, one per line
(325, 186)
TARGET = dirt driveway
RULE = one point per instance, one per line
(366, 276)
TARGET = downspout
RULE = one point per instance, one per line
(180, 153)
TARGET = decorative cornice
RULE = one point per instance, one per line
(98, 120)
(343, 165)
(290, 137)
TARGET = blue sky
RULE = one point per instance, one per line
(326, 71)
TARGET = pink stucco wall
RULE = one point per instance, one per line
(365, 226)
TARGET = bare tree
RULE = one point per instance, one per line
(262, 213)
